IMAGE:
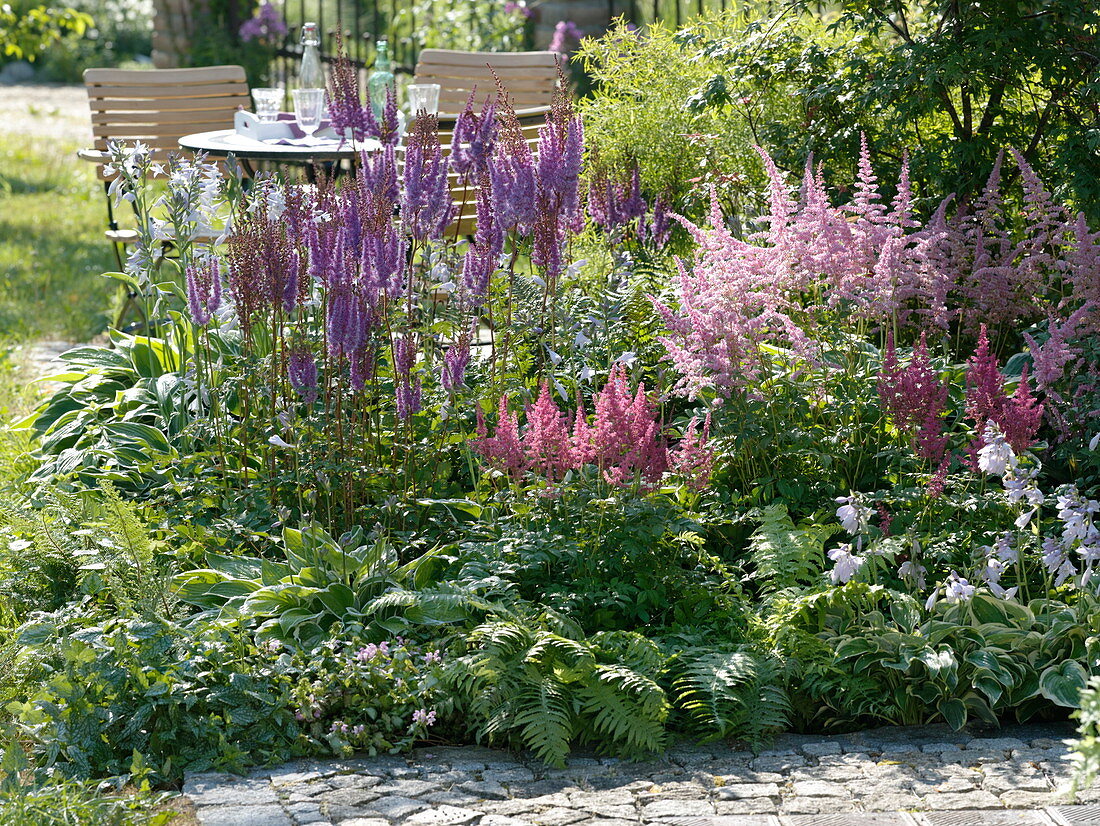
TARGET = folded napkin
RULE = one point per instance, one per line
(296, 133)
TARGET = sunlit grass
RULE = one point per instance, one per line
(52, 249)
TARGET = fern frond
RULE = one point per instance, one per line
(785, 555)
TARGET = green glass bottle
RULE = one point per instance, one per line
(381, 79)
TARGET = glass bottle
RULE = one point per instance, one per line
(381, 79)
(311, 75)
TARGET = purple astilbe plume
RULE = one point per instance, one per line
(407, 386)
(302, 372)
(512, 176)
(426, 207)
(346, 320)
(389, 130)
(345, 105)
(660, 228)
(565, 33)
(407, 395)
(455, 360)
(615, 204)
(204, 288)
(915, 399)
(362, 364)
(477, 268)
(473, 140)
(264, 268)
(1083, 263)
(377, 181)
(385, 250)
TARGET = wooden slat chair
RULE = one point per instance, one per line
(529, 77)
(157, 107)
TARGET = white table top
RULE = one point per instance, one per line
(224, 142)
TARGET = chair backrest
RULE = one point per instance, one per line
(159, 106)
(529, 77)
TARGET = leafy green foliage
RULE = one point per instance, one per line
(730, 693)
(26, 35)
(527, 684)
(980, 658)
(785, 556)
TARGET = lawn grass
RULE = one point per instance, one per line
(52, 249)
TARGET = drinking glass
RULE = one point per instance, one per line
(267, 102)
(424, 97)
(308, 105)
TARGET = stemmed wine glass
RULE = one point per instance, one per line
(308, 105)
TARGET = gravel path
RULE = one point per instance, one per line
(924, 776)
(47, 112)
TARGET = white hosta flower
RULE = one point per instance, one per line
(913, 572)
(997, 457)
(853, 515)
(581, 340)
(846, 564)
(957, 589)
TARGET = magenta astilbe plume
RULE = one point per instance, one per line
(302, 372)
(503, 450)
(915, 399)
(204, 288)
(426, 207)
(693, 458)
(546, 439)
(626, 434)
(473, 140)
(407, 390)
(581, 450)
(408, 397)
(1017, 416)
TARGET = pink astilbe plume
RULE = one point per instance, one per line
(915, 399)
(626, 434)
(693, 458)
(503, 450)
(546, 440)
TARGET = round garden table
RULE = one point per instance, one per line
(221, 143)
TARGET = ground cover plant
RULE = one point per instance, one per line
(364, 482)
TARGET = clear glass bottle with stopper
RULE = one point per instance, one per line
(381, 80)
(311, 76)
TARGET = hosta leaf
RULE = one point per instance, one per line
(1062, 684)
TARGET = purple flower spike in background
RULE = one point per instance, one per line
(302, 372)
(267, 25)
(566, 33)
(473, 140)
(204, 288)
(426, 205)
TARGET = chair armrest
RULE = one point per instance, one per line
(93, 155)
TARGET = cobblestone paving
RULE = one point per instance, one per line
(926, 776)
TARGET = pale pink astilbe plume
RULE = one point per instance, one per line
(936, 273)
(779, 201)
(693, 458)
(915, 398)
(901, 208)
(503, 450)
(546, 439)
(1053, 355)
(734, 303)
(581, 450)
(1083, 268)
